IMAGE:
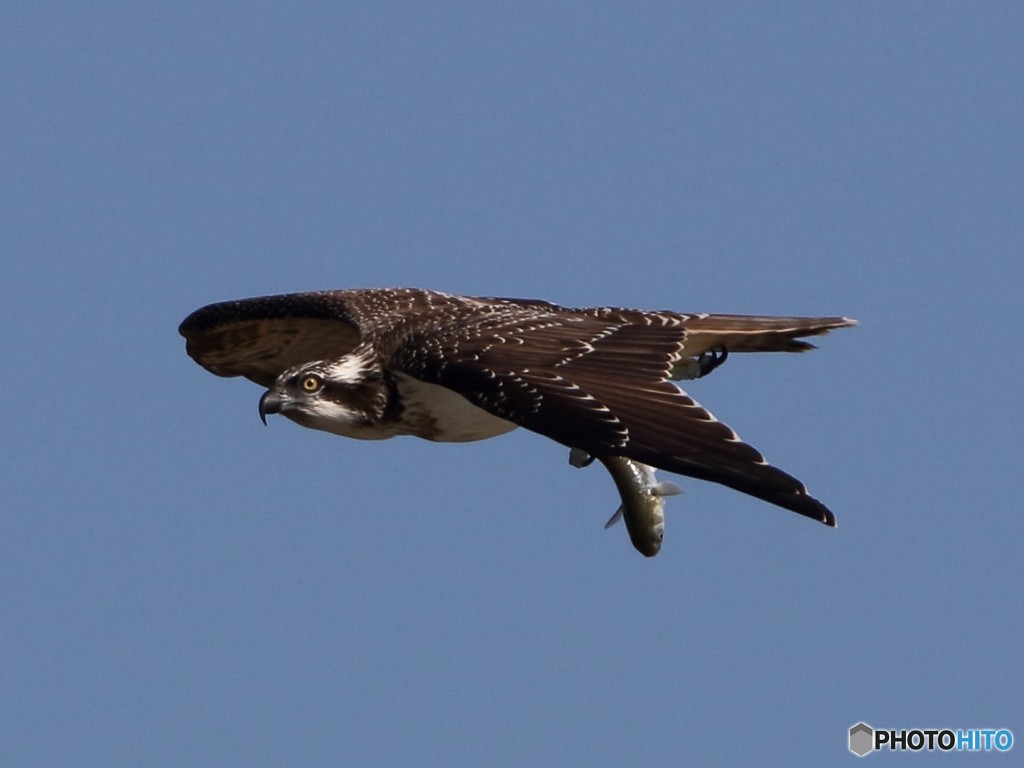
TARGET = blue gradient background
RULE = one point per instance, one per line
(181, 586)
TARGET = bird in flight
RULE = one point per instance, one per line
(376, 363)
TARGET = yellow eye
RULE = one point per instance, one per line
(311, 383)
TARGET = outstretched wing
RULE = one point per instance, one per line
(262, 337)
(597, 383)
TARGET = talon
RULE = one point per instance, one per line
(711, 359)
(580, 458)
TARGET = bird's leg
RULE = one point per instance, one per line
(711, 359)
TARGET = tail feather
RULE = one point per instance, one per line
(751, 333)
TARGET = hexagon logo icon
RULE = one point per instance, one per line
(862, 739)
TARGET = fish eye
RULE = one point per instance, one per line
(311, 383)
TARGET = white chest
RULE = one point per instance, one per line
(436, 413)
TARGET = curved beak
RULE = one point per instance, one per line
(270, 403)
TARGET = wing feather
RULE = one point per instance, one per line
(604, 388)
(262, 337)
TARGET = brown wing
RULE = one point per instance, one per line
(590, 383)
(262, 337)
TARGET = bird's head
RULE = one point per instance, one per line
(347, 396)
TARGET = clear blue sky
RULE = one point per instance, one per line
(181, 586)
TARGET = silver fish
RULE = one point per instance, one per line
(643, 499)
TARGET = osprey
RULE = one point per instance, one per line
(376, 363)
